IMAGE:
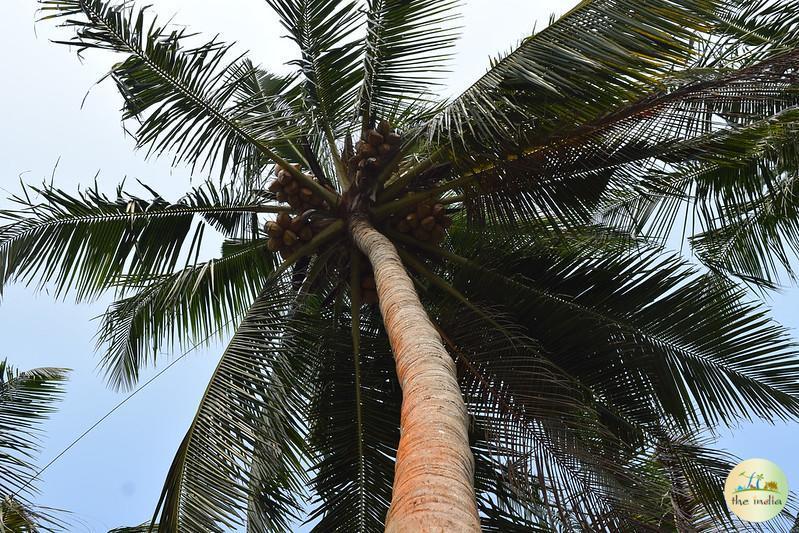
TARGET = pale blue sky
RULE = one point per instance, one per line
(113, 477)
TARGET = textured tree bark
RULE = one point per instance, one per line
(434, 475)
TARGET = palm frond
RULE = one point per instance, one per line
(184, 95)
(85, 242)
(693, 476)
(735, 187)
(566, 174)
(545, 447)
(597, 56)
(684, 343)
(325, 32)
(407, 47)
(352, 482)
(26, 400)
(246, 445)
(604, 54)
(19, 517)
(192, 305)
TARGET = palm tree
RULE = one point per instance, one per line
(448, 315)
(26, 399)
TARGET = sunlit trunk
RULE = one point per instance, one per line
(434, 474)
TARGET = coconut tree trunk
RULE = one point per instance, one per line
(434, 474)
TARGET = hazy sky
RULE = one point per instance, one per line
(114, 476)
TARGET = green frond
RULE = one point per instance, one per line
(85, 242)
(567, 174)
(541, 438)
(653, 317)
(185, 96)
(190, 306)
(26, 400)
(603, 55)
(352, 482)
(693, 476)
(407, 47)
(326, 32)
(734, 188)
(17, 517)
(144, 528)
(246, 447)
(599, 55)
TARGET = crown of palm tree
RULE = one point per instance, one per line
(531, 214)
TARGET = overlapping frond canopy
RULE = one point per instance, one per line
(590, 361)
(553, 403)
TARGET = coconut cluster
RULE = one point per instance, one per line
(301, 198)
(288, 233)
(374, 152)
(427, 222)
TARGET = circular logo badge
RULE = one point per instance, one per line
(756, 490)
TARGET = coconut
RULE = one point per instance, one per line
(419, 234)
(374, 138)
(273, 229)
(394, 139)
(428, 223)
(295, 201)
(367, 150)
(438, 234)
(297, 224)
(274, 244)
(292, 187)
(284, 219)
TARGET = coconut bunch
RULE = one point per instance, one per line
(427, 222)
(374, 152)
(287, 189)
(288, 233)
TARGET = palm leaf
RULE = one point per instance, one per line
(188, 92)
(354, 470)
(684, 342)
(406, 48)
(603, 55)
(245, 446)
(566, 174)
(85, 242)
(329, 55)
(188, 307)
(26, 400)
